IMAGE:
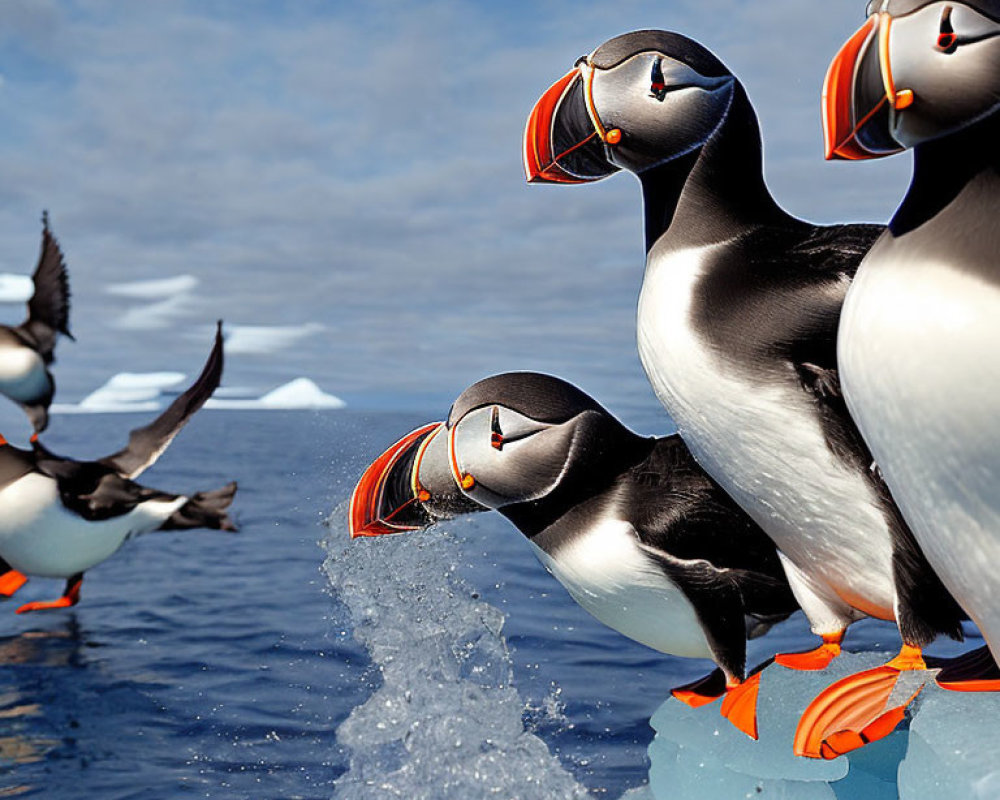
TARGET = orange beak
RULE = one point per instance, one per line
(540, 164)
(383, 502)
(564, 141)
(856, 116)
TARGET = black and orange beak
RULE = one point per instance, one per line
(859, 96)
(385, 500)
(410, 486)
(562, 141)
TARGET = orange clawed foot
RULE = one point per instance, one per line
(861, 708)
(71, 596)
(739, 705)
(817, 659)
(10, 582)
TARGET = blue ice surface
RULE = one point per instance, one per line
(945, 748)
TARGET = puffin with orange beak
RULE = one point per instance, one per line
(737, 326)
(921, 324)
(638, 534)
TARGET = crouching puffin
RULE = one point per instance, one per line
(60, 517)
(638, 534)
(921, 323)
(26, 351)
(737, 325)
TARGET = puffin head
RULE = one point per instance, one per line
(916, 71)
(509, 440)
(638, 101)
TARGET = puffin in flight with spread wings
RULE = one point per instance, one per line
(59, 517)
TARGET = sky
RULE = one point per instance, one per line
(350, 174)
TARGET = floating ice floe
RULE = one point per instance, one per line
(948, 751)
(264, 339)
(151, 391)
(130, 391)
(299, 393)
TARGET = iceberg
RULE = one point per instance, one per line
(944, 750)
(130, 391)
(445, 720)
(300, 393)
(151, 391)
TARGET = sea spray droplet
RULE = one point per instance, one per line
(446, 721)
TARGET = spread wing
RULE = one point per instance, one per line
(48, 308)
(146, 444)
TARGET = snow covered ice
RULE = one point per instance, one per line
(300, 393)
(151, 391)
(948, 750)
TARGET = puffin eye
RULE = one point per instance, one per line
(947, 41)
(657, 83)
(496, 435)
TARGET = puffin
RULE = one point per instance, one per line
(638, 534)
(922, 318)
(59, 517)
(737, 326)
(26, 351)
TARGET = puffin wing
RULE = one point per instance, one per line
(715, 596)
(146, 444)
(88, 488)
(48, 308)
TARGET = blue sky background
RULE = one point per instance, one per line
(355, 169)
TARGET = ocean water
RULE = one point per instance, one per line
(287, 662)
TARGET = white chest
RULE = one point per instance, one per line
(38, 536)
(611, 578)
(22, 374)
(763, 442)
(921, 374)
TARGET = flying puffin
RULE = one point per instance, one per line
(60, 517)
(737, 325)
(638, 534)
(26, 351)
(920, 325)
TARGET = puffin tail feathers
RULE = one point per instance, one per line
(205, 510)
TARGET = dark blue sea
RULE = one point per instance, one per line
(286, 661)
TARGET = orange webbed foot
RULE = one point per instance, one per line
(740, 705)
(71, 596)
(11, 581)
(861, 708)
(703, 691)
(975, 671)
(812, 660)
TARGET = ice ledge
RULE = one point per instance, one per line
(948, 750)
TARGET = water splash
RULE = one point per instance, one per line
(445, 721)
